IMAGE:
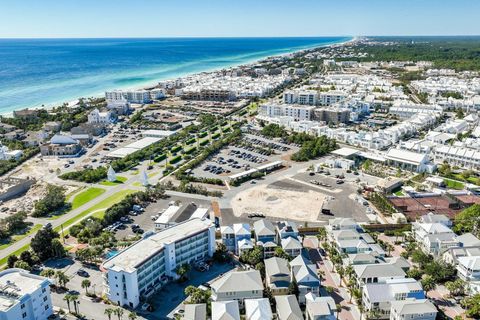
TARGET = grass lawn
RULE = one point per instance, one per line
(452, 184)
(24, 248)
(68, 196)
(86, 196)
(399, 193)
(19, 237)
(103, 205)
(119, 180)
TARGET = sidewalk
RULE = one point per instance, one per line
(340, 294)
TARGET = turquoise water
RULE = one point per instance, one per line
(36, 72)
(111, 254)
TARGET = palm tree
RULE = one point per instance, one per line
(119, 313)
(75, 302)
(47, 273)
(109, 312)
(86, 284)
(182, 271)
(349, 271)
(322, 234)
(68, 298)
(132, 316)
(338, 306)
(62, 278)
(428, 283)
(389, 248)
(341, 273)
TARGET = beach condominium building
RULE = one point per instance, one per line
(134, 96)
(297, 112)
(138, 271)
(24, 296)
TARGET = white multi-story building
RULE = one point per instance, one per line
(331, 97)
(134, 96)
(405, 109)
(97, 117)
(465, 158)
(434, 238)
(146, 265)
(297, 112)
(299, 96)
(24, 296)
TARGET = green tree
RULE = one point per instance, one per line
(51, 202)
(132, 315)
(253, 256)
(182, 271)
(68, 299)
(280, 253)
(109, 312)
(338, 308)
(47, 272)
(322, 234)
(293, 288)
(119, 313)
(428, 283)
(74, 299)
(12, 259)
(85, 285)
(472, 306)
(62, 278)
(42, 243)
(468, 221)
(197, 295)
(415, 273)
(456, 287)
(22, 265)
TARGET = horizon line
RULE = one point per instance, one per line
(236, 37)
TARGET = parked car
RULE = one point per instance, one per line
(82, 273)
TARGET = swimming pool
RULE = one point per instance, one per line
(111, 254)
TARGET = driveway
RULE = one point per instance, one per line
(170, 297)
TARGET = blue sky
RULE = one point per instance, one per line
(197, 18)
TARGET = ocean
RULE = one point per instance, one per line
(47, 72)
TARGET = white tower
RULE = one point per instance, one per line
(111, 176)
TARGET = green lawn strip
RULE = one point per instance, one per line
(105, 204)
(19, 237)
(24, 248)
(74, 192)
(119, 180)
(86, 196)
(452, 184)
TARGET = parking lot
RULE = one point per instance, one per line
(251, 152)
(146, 220)
(170, 298)
(343, 199)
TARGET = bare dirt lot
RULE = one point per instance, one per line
(278, 203)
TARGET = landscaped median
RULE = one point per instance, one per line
(119, 180)
(98, 210)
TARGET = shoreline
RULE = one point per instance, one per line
(74, 101)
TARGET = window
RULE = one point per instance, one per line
(44, 290)
(46, 307)
(24, 315)
(45, 298)
(22, 306)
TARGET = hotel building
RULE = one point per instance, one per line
(138, 271)
(24, 296)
